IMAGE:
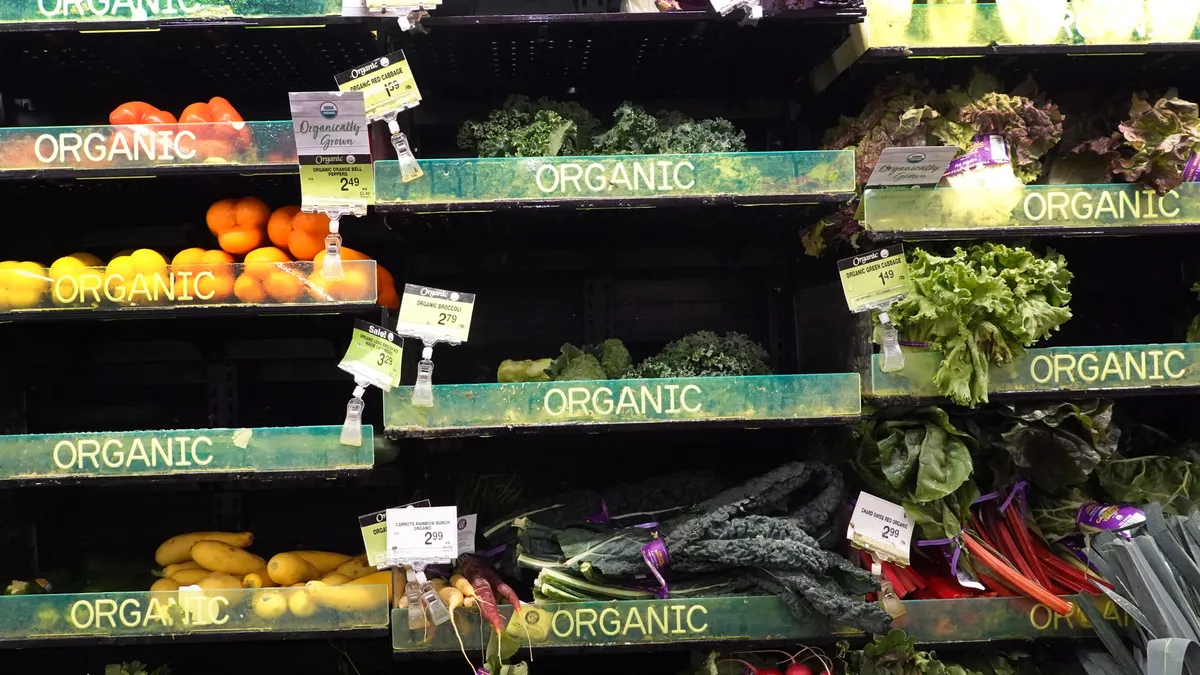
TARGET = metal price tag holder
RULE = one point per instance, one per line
(450, 326)
(423, 388)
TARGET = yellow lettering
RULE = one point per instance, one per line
(1106, 205)
(1040, 616)
(1060, 368)
(1089, 373)
(612, 627)
(1045, 361)
(678, 629)
(570, 624)
(629, 625)
(652, 618)
(1167, 364)
(1112, 364)
(627, 401)
(1132, 364)
(691, 626)
(580, 622)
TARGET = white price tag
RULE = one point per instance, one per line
(882, 527)
(422, 535)
(466, 533)
(920, 166)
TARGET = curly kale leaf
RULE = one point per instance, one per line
(574, 364)
(1030, 129)
(637, 132)
(979, 307)
(1158, 139)
(706, 354)
(895, 654)
(521, 128)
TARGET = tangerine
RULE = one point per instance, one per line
(249, 290)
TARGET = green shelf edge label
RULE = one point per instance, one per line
(693, 399)
(750, 619)
(1048, 23)
(616, 178)
(108, 148)
(1044, 206)
(181, 451)
(141, 11)
(174, 613)
(1056, 369)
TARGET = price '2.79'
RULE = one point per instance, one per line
(444, 318)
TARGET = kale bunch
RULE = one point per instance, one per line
(521, 128)
(637, 132)
(706, 354)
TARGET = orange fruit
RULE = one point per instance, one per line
(217, 262)
(261, 262)
(187, 259)
(354, 285)
(285, 285)
(241, 241)
(279, 226)
(222, 216)
(252, 212)
(217, 288)
(249, 290)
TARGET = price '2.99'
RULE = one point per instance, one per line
(888, 532)
(431, 537)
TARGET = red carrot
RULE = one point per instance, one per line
(472, 569)
(1027, 586)
(500, 587)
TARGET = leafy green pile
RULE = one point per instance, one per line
(1154, 144)
(980, 307)
(706, 354)
(917, 458)
(1173, 482)
(637, 132)
(609, 360)
(524, 128)
(1031, 129)
(1054, 446)
(548, 128)
(896, 654)
(134, 668)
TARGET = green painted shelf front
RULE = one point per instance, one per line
(104, 151)
(1009, 25)
(1035, 209)
(129, 454)
(143, 616)
(1102, 370)
(618, 181)
(750, 619)
(85, 14)
(466, 409)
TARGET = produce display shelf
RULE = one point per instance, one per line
(472, 409)
(1032, 27)
(618, 181)
(52, 15)
(128, 291)
(146, 150)
(265, 451)
(140, 617)
(1060, 371)
(1114, 209)
(760, 619)
(817, 15)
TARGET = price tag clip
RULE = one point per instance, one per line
(388, 88)
(432, 315)
(373, 358)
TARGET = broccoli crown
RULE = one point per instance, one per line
(706, 354)
(613, 357)
(585, 367)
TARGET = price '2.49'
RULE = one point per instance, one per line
(431, 537)
(348, 183)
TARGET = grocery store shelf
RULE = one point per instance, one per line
(125, 291)
(640, 623)
(1061, 372)
(618, 182)
(224, 615)
(57, 15)
(827, 15)
(146, 150)
(949, 213)
(183, 453)
(947, 31)
(474, 409)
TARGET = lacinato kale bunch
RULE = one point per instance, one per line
(981, 306)
(706, 354)
(761, 532)
(524, 128)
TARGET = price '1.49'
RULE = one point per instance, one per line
(884, 277)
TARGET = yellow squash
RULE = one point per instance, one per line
(178, 549)
(221, 557)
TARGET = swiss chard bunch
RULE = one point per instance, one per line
(1154, 144)
(980, 307)
(918, 458)
(1031, 129)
